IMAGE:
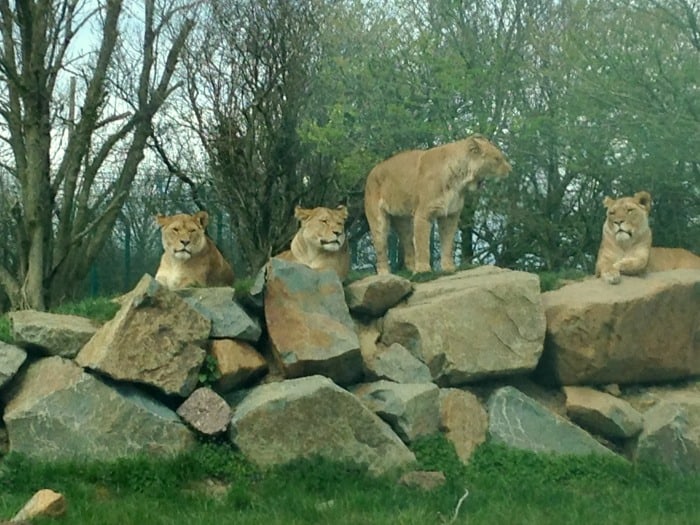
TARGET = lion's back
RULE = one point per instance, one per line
(662, 259)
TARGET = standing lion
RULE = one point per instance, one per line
(190, 257)
(411, 189)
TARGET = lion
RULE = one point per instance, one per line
(321, 242)
(190, 257)
(625, 247)
(411, 189)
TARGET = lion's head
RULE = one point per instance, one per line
(627, 217)
(487, 161)
(323, 228)
(184, 235)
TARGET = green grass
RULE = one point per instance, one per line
(99, 309)
(5, 331)
(214, 485)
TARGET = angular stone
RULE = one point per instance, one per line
(238, 363)
(55, 334)
(475, 324)
(642, 330)
(521, 422)
(11, 359)
(44, 503)
(374, 295)
(396, 364)
(463, 420)
(671, 434)
(310, 328)
(154, 339)
(206, 412)
(279, 422)
(228, 319)
(601, 413)
(58, 411)
(412, 410)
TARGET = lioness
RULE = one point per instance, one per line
(411, 189)
(190, 258)
(626, 248)
(321, 242)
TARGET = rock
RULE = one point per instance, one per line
(238, 363)
(412, 410)
(279, 422)
(671, 434)
(310, 328)
(206, 412)
(11, 359)
(474, 324)
(642, 330)
(154, 339)
(463, 420)
(54, 334)
(396, 364)
(601, 413)
(423, 479)
(58, 411)
(374, 295)
(520, 422)
(44, 503)
(228, 319)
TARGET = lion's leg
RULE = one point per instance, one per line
(379, 228)
(422, 225)
(448, 227)
(404, 229)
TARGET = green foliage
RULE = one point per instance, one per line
(98, 309)
(553, 280)
(209, 373)
(5, 332)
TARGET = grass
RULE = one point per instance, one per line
(98, 309)
(214, 485)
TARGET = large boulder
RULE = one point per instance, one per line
(601, 413)
(156, 339)
(464, 421)
(53, 334)
(645, 329)
(374, 295)
(237, 362)
(309, 325)
(312, 416)
(58, 411)
(519, 421)
(472, 325)
(11, 359)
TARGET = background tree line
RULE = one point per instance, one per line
(112, 111)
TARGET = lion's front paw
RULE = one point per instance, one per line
(612, 277)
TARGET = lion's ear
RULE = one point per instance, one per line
(161, 220)
(474, 146)
(343, 211)
(302, 213)
(202, 217)
(644, 199)
(608, 201)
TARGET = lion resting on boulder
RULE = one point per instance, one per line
(190, 258)
(320, 242)
(625, 248)
(411, 189)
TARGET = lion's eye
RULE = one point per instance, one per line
(176, 230)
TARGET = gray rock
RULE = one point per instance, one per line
(59, 411)
(471, 325)
(412, 410)
(310, 328)
(11, 359)
(228, 319)
(374, 295)
(397, 364)
(206, 412)
(645, 329)
(521, 422)
(55, 334)
(279, 422)
(154, 339)
(602, 413)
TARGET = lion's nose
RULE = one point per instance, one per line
(185, 243)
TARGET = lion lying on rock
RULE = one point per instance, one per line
(190, 258)
(411, 189)
(625, 248)
(321, 242)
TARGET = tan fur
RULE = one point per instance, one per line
(320, 242)
(190, 257)
(625, 247)
(411, 189)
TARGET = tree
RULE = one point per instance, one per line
(70, 172)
